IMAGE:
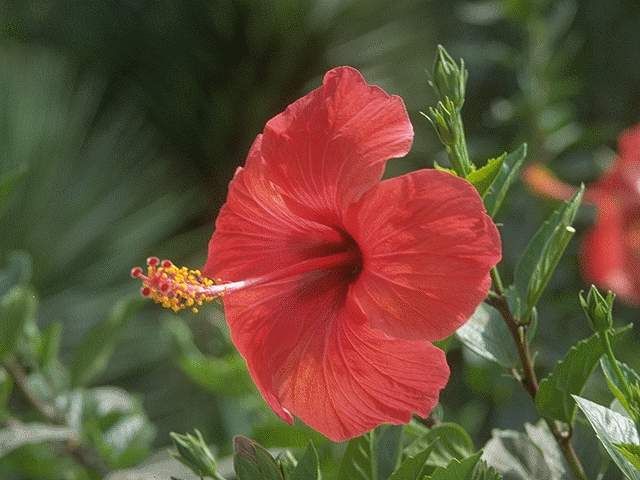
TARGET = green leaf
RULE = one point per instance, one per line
(539, 261)
(515, 455)
(631, 452)
(631, 405)
(253, 462)
(17, 308)
(308, 467)
(17, 435)
(612, 429)
(440, 168)
(484, 177)
(225, 375)
(387, 449)
(114, 423)
(359, 461)
(485, 472)
(457, 469)
(542, 437)
(508, 174)
(486, 334)
(372, 456)
(568, 377)
(413, 467)
(449, 440)
(93, 354)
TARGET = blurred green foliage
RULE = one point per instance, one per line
(122, 121)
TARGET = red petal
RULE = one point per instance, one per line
(427, 247)
(629, 144)
(315, 357)
(257, 233)
(607, 259)
(327, 148)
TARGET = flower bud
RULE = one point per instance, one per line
(193, 452)
(598, 309)
(449, 78)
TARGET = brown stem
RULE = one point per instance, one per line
(529, 379)
(83, 456)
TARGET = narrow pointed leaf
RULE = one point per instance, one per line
(484, 177)
(569, 376)
(508, 174)
(539, 261)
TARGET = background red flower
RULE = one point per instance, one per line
(611, 251)
(370, 270)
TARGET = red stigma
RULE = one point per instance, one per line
(166, 263)
(136, 272)
(145, 291)
(153, 261)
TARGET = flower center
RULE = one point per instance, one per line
(178, 288)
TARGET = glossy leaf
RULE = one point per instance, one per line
(612, 429)
(486, 334)
(514, 454)
(542, 437)
(508, 174)
(568, 377)
(539, 261)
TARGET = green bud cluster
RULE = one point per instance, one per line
(598, 309)
(193, 452)
(449, 78)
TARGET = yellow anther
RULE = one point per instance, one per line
(175, 288)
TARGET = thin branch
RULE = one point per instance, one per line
(529, 379)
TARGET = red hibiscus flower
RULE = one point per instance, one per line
(610, 254)
(339, 281)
